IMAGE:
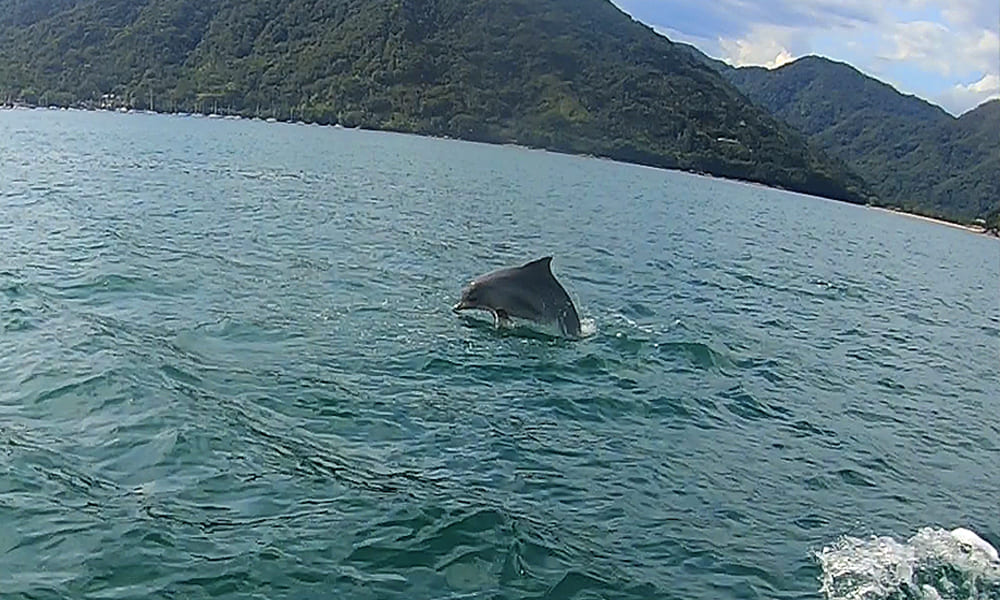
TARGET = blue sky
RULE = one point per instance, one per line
(945, 52)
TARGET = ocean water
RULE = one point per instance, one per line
(228, 369)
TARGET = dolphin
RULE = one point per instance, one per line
(527, 292)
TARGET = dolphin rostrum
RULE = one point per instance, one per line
(526, 292)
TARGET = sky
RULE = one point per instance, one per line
(945, 51)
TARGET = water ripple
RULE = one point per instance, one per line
(228, 369)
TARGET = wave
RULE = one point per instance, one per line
(934, 564)
(479, 550)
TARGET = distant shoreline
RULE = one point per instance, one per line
(969, 228)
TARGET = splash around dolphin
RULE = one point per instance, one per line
(527, 292)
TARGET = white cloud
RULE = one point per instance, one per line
(919, 42)
(765, 46)
(971, 13)
(937, 47)
(985, 53)
(961, 51)
(989, 84)
(963, 97)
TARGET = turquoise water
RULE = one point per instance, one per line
(228, 369)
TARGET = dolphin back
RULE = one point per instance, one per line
(555, 303)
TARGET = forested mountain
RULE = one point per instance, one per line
(570, 75)
(913, 154)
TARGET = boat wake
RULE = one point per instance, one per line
(934, 564)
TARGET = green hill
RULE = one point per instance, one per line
(569, 75)
(914, 155)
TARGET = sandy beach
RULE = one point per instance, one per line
(969, 228)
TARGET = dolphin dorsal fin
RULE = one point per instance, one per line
(543, 263)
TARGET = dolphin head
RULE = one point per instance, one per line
(475, 296)
(493, 292)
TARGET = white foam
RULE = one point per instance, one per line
(972, 539)
(588, 327)
(932, 564)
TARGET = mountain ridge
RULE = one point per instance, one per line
(576, 76)
(914, 154)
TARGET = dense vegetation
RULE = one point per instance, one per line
(569, 75)
(914, 155)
